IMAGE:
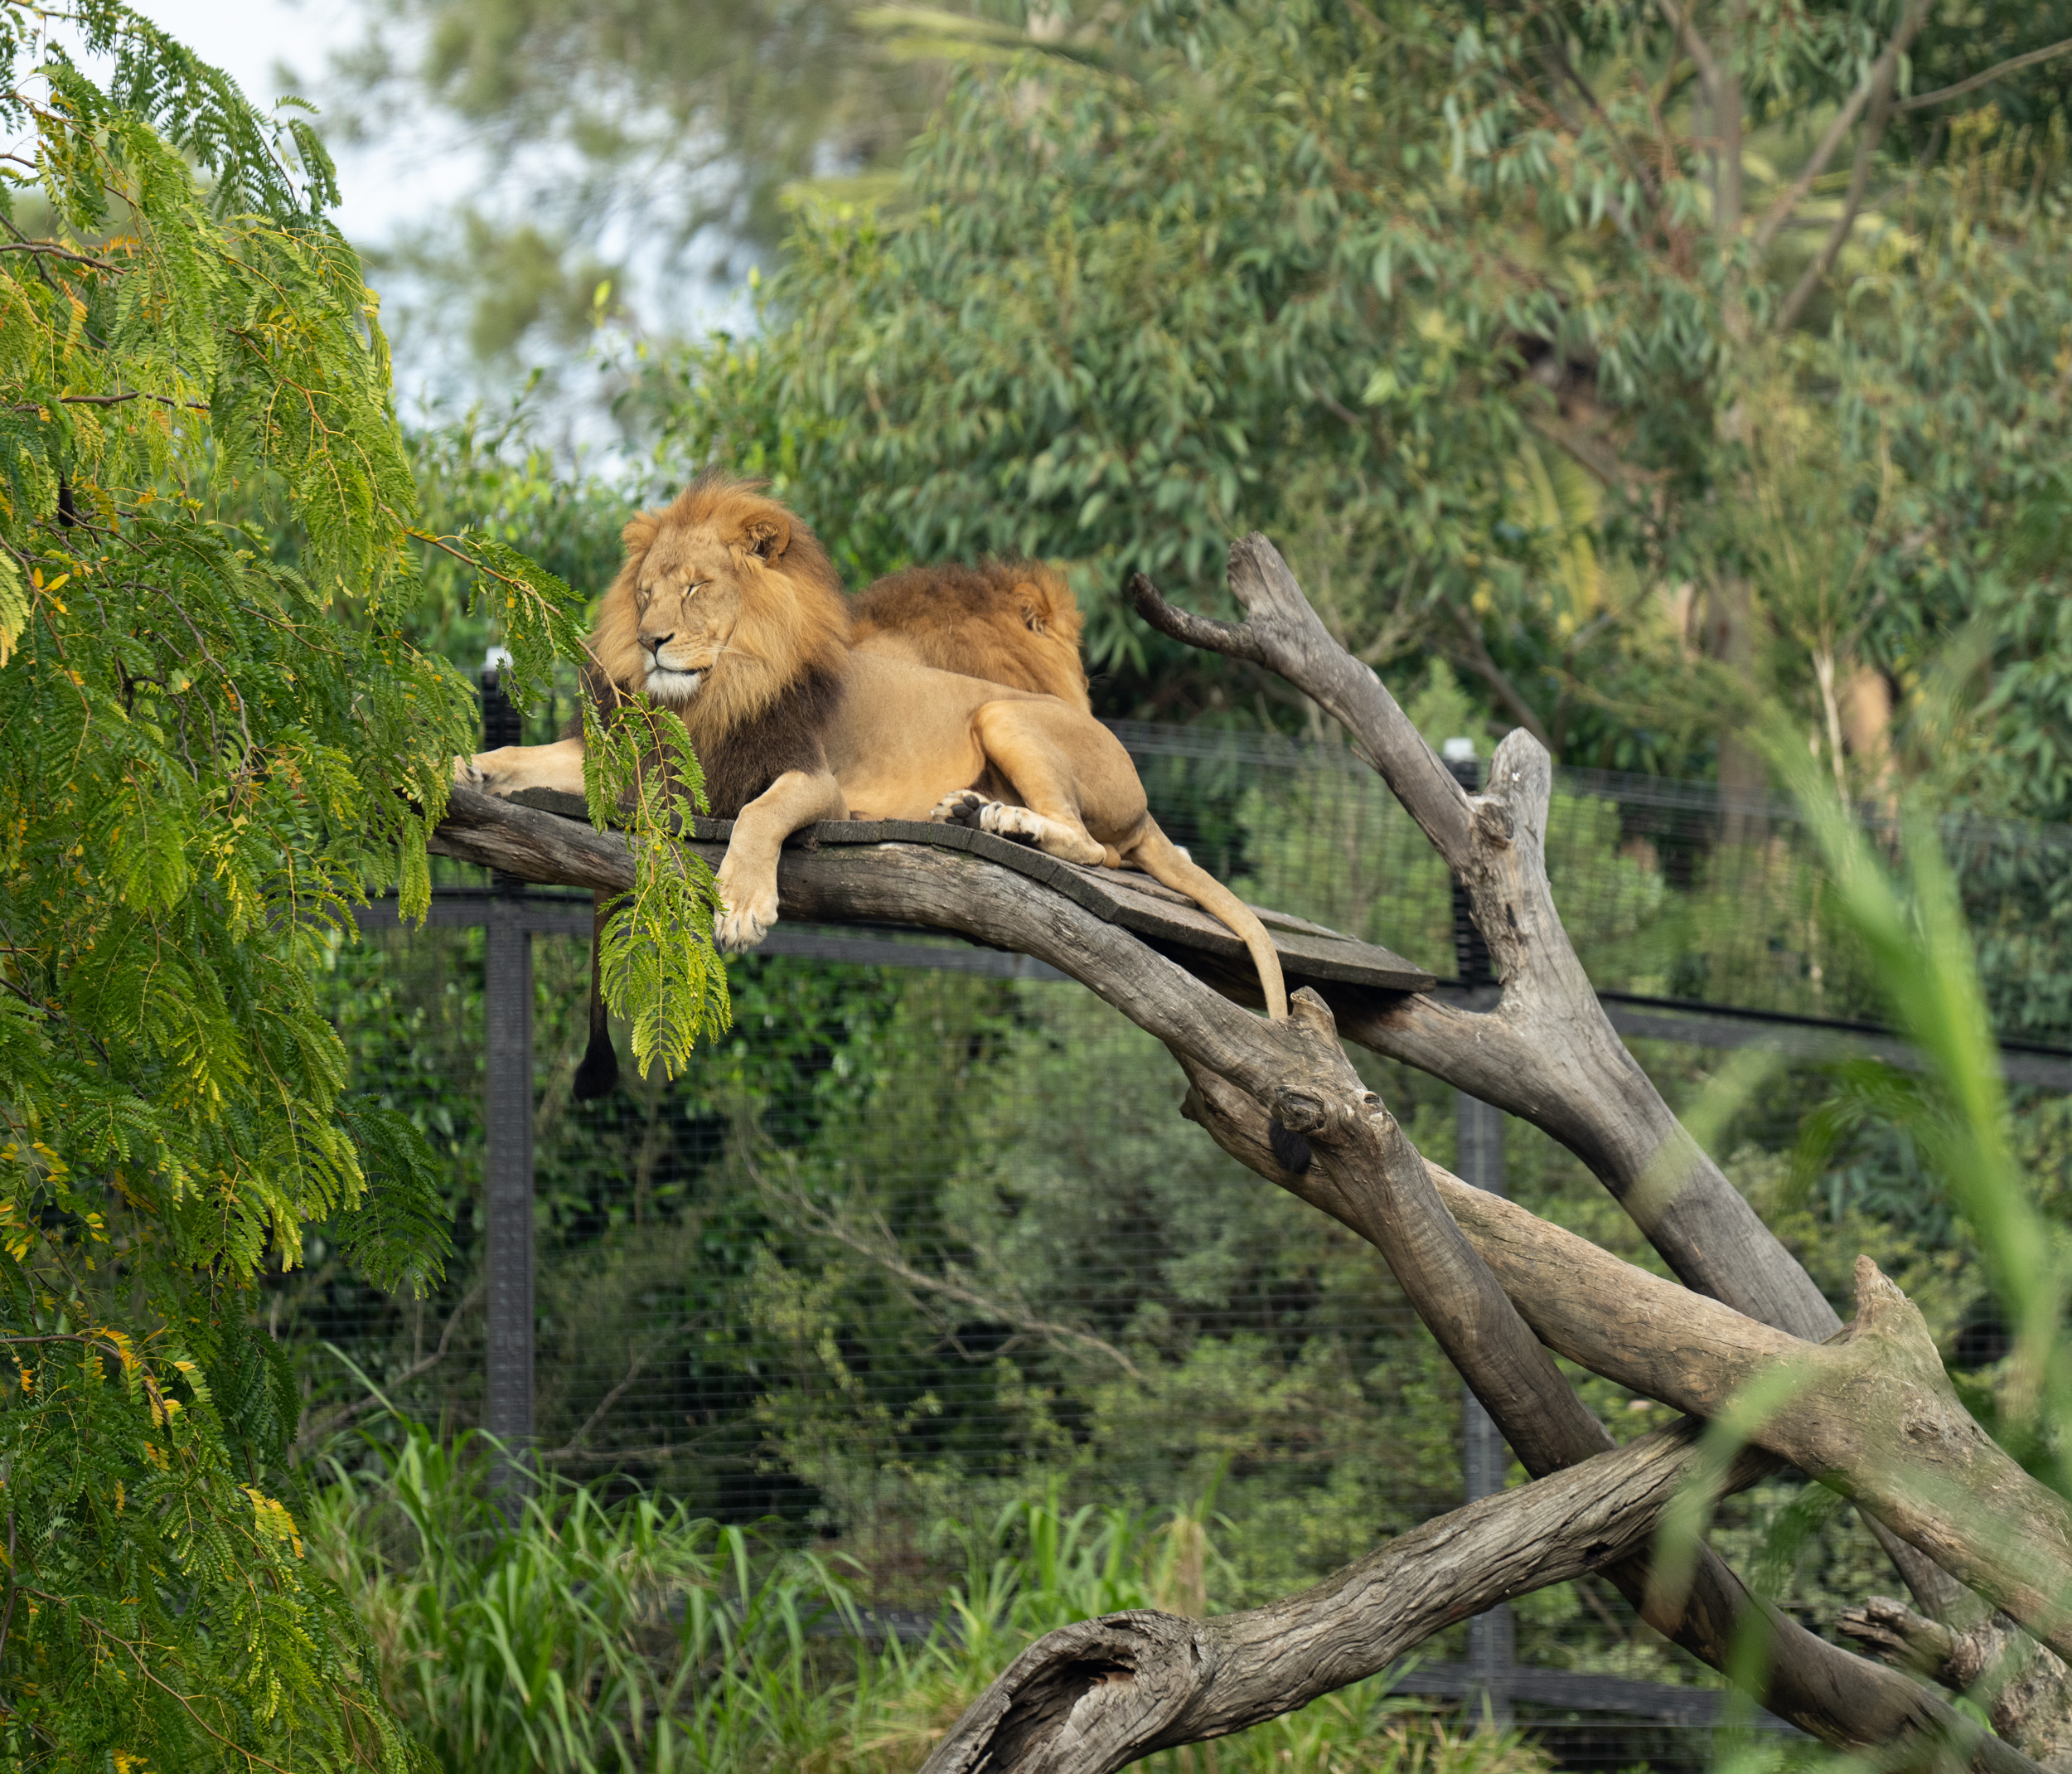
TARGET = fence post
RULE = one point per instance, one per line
(1492, 1637)
(507, 1179)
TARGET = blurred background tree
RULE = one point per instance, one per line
(638, 156)
(1512, 329)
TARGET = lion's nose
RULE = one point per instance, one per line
(656, 642)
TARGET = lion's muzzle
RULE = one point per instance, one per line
(664, 685)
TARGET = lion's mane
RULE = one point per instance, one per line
(1009, 622)
(764, 704)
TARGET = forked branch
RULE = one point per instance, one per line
(1298, 1073)
(1547, 1052)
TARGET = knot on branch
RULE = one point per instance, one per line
(1299, 1111)
(1085, 1698)
(1493, 822)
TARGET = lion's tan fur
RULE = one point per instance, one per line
(1007, 622)
(727, 611)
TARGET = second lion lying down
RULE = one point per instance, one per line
(728, 611)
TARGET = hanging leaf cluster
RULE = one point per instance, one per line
(660, 970)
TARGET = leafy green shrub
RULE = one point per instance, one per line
(574, 1636)
(207, 755)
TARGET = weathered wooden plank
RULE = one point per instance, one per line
(1133, 901)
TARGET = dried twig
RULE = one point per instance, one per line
(2013, 64)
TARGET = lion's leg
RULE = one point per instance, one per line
(748, 873)
(511, 768)
(1057, 763)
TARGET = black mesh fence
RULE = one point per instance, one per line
(916, 1240)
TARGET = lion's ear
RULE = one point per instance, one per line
(640, 532)
(766, 535)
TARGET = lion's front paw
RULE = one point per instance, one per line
(743, 920)
(489, 771)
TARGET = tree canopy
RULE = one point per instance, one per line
(207, 756)
(1535, 362)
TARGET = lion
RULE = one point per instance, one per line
(727, 612)
(1008, 622)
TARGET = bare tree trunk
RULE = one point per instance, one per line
(1299, 1075)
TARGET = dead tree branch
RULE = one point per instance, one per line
(1547, 1052)
(1874, 1413)
(2027, 1689)
(1097, 1696)
(1809, 1680)
(1295, 1072)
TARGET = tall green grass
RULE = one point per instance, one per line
(579, 1637)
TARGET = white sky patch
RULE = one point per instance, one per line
(414, 175)
(386, 185)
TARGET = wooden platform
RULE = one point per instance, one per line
(1309, 953)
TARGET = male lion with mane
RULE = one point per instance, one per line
(728, 611)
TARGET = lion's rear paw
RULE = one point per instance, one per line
(966, 806)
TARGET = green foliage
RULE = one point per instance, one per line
(491, 475)
(659, 969)
(577, 1637)
(1477, 345)
(633, 1636)
(207, 755)
(1958, 1116)
(1907, 911)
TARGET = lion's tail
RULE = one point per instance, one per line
(1161, 859)
(599, 1072)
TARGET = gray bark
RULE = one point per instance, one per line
(1807, 1680)
(1094, 1696)
(2028, 1689)
(1547, 1052)
(1300, 1074)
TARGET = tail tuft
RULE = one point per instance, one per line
(599, 1075)
(1290, 1151)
